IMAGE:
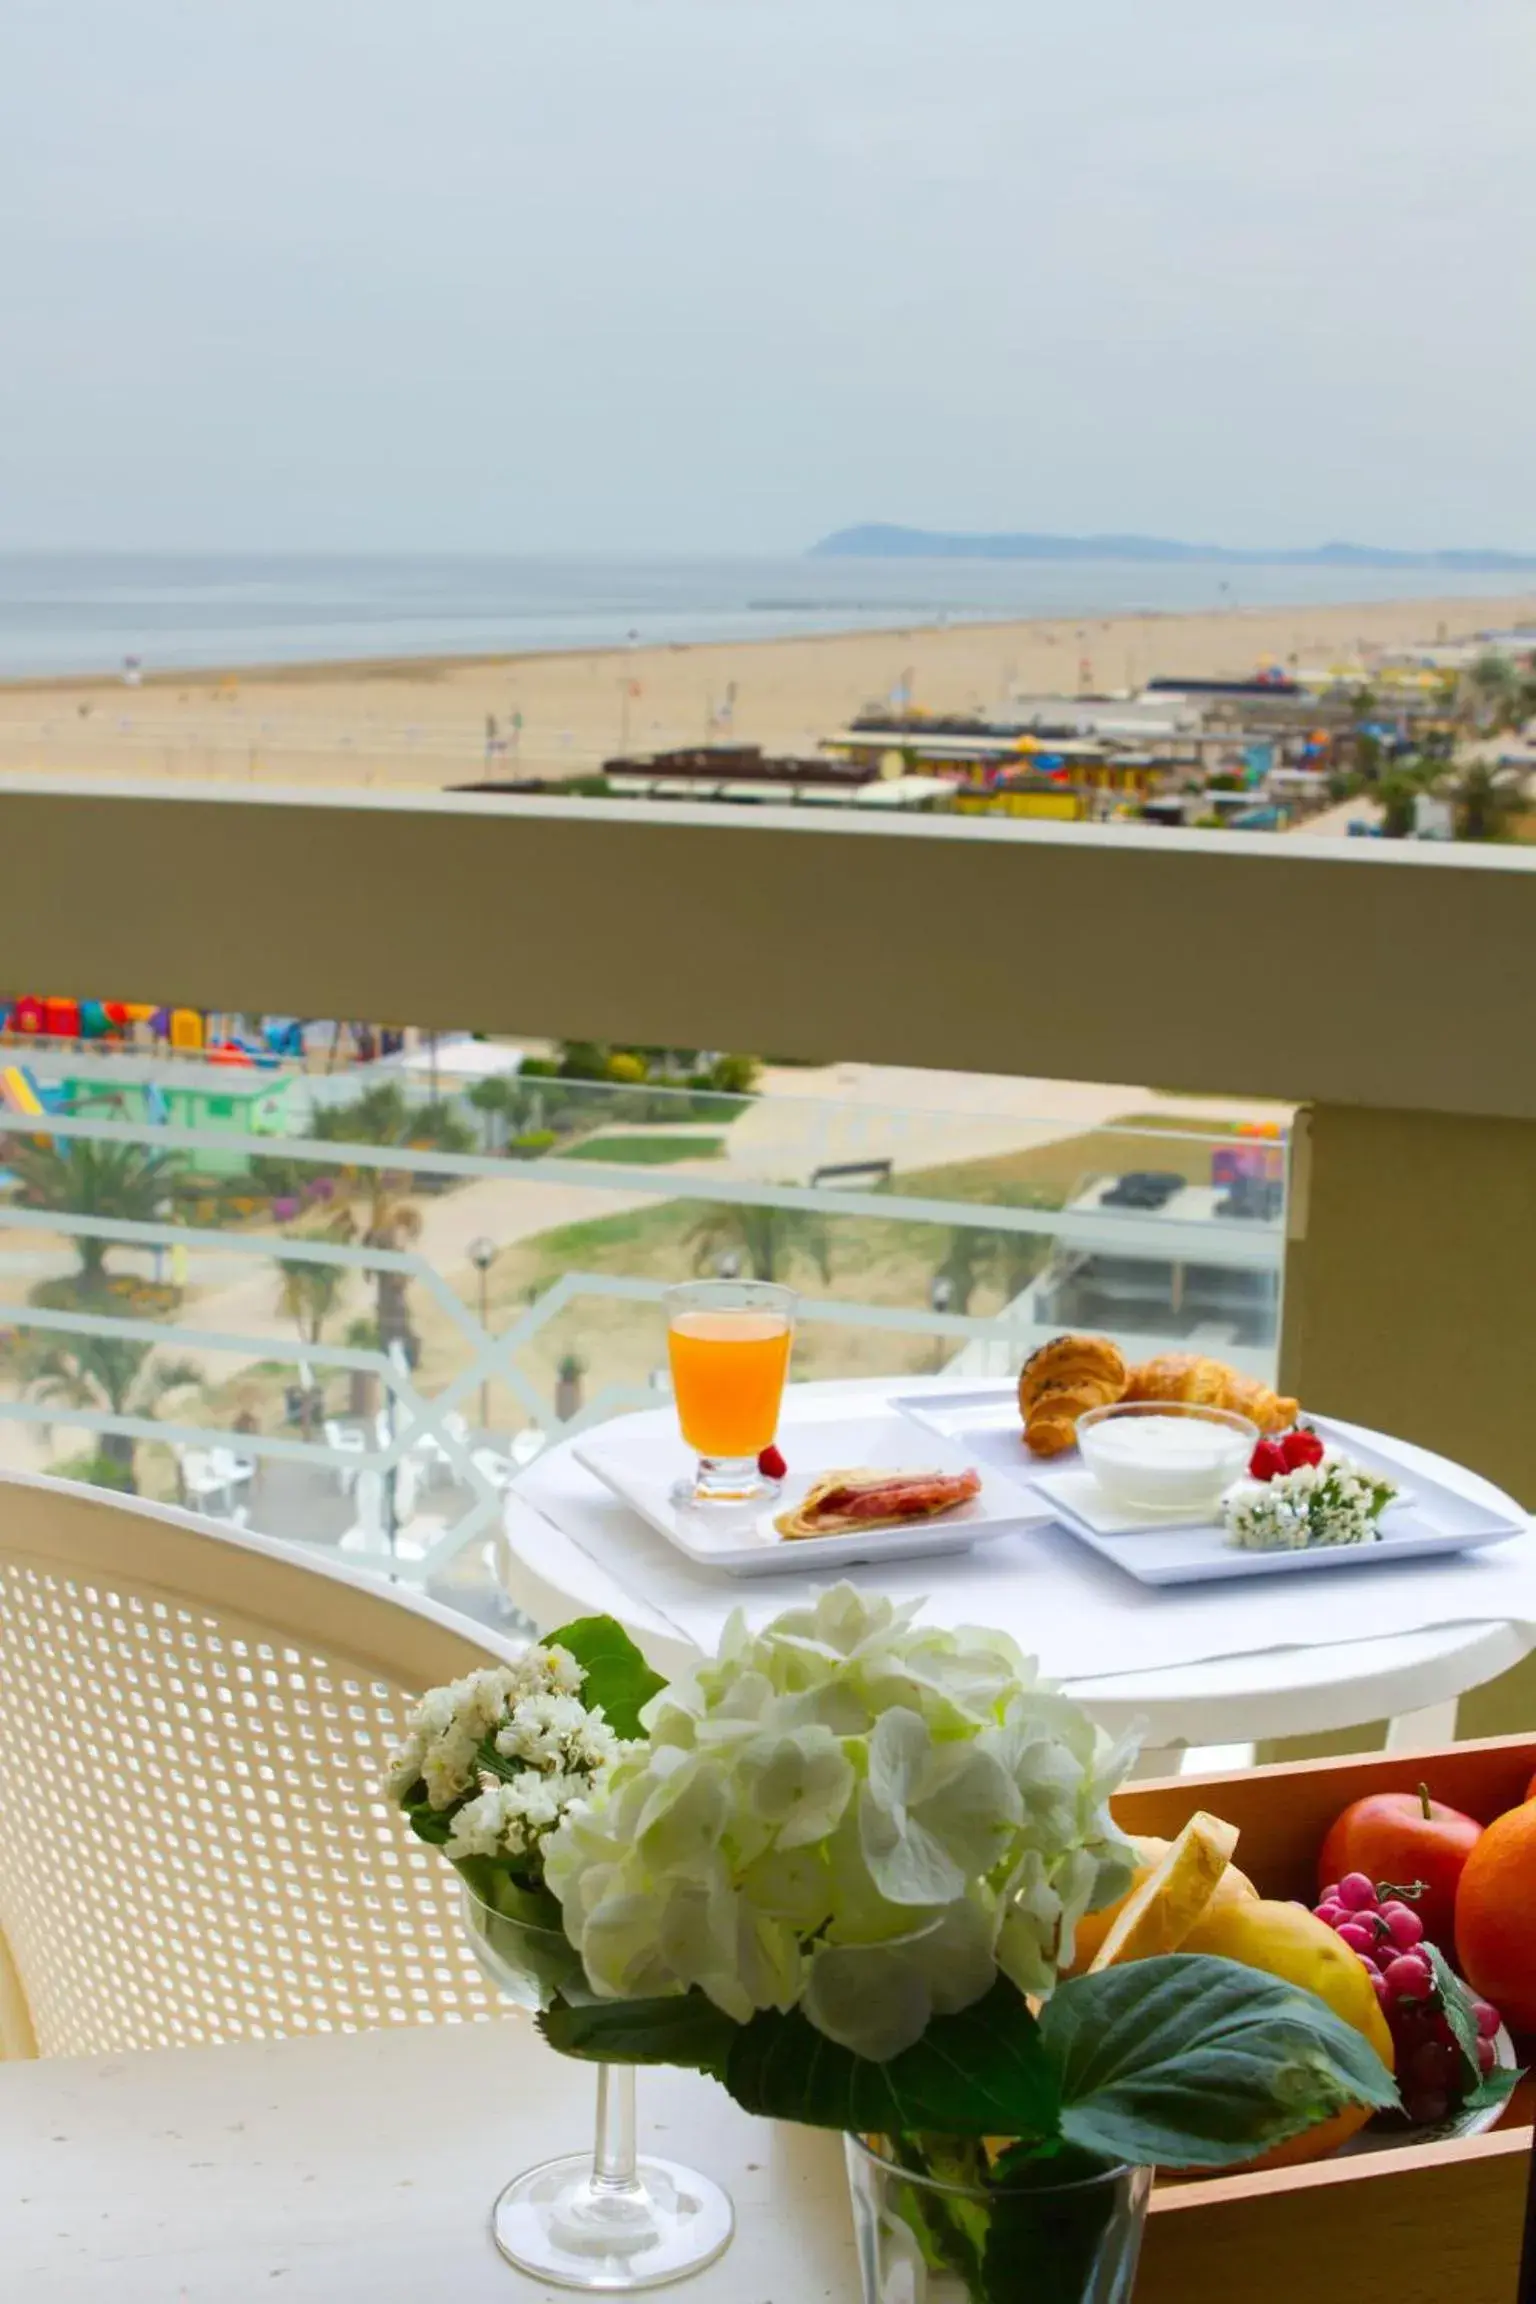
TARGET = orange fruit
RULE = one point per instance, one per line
(1095, 1927)
(1495, 1935)
(1287, 1940)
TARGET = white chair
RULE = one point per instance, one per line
(440, 1456)
(193, 1844)
(500, 1471)
(344, 1440)
(233, 1469)
(202, 1482)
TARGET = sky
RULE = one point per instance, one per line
(723, 275)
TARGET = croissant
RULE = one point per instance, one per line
(1206, 1383)
(1271, 1411)
(1059, 1382)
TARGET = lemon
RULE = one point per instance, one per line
(1288, 1941)
(1095, 1926)
(1158, 1916)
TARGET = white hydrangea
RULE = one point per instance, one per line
(446, 1729)
(850, 1813)
(1329, 1503)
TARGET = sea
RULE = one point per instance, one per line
(79, 612)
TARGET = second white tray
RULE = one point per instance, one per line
(1434, 1517)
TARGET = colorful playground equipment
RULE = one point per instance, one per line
(19, 1092)
(191, 1033)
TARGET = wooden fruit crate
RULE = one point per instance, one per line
(1427, 2224)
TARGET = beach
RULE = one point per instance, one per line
(399, 722)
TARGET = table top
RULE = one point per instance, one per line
(361, 2168)
(1292, 1691)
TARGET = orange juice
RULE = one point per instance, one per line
(728, 1373)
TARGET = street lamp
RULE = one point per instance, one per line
(482, 1254)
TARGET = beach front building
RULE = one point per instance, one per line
(214, 1100)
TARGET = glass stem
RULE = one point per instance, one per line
(613, 2152)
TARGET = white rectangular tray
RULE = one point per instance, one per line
(641, 1468)
(1443, 1509)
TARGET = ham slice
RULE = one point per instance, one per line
(841, 1502)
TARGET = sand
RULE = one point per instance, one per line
(423, 722)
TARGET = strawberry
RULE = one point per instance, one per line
(771, 1464)
(1267, 1461)
(1301, 1447)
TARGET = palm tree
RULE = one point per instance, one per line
(1483, 803)
(492, 1098)
(770, 1240)
(110, 1374)
(1398, 792)
(80, 1176)
(1493, 686)
(308, 1294)
(967, 1263)
(384, 1115)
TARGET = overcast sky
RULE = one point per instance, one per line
(725, 274)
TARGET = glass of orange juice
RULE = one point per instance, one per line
(728, 1342)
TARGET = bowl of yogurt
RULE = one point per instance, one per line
(1165, 1456)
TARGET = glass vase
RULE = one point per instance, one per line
(926, 2240)
(611, 2221)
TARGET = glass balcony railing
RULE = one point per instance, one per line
(348, 1316)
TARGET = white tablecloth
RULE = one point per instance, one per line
(1079, 1616)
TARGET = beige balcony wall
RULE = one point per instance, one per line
(1347, 972)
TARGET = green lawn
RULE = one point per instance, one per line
(646, 1151)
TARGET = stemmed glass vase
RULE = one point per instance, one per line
(611, 2221)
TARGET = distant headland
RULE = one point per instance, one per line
(878, 540)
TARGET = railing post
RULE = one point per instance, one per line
(1410, 1280)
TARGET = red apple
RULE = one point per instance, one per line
(1405, 1839)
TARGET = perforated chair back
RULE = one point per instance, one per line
(193, 1842)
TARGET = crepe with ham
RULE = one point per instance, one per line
(846, 1503)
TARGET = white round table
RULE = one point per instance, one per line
(1221, 1707)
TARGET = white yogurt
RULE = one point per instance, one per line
(1162, 1461)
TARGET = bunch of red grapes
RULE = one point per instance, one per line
(1380, 1924)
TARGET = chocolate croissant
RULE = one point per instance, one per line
(1059, 1382)
(1206, 1383)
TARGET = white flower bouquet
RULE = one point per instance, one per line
(839, 1868)
(1332, 1501)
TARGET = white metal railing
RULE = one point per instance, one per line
(408, 1471)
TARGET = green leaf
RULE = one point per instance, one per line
(684, 2029)
(981, 2073)
(950, 2227)
(1026, 2167)
(1478, 2090)
(617, 1675)
(1495, 2087)
(1188, 2061)
(1459, 2014)
(433, 1825)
